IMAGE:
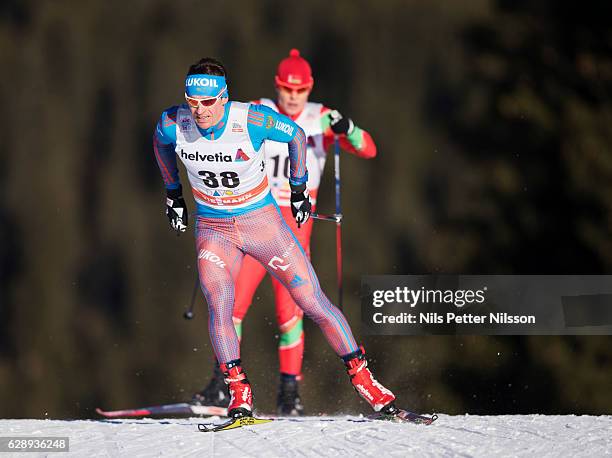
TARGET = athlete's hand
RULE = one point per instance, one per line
(176, 209)
(339, 124)
(300, 203)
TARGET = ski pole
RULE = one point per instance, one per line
(335, 218)
(339, 220)
(188, 315)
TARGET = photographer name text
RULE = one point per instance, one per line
(451, 318)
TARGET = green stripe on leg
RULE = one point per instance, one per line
(238, 328)
(293, 335)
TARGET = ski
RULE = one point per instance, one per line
(404, 416)
(401, 416)
(185, 409)
(232, 423)
(181, 409)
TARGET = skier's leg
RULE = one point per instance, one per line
(250, 276)
(277, 248)
(290, 322)
(289, 316)
(269, 240)
(219, 261)
(290, 351)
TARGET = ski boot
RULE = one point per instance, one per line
(215, 394)
(379, 397)
(241, 396)
(288, 402)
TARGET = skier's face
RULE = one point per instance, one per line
(206, 116)
(292, 101)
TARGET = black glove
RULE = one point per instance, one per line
(339, 124)
(300, 203)
(176, 209)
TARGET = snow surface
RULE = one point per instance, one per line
(509, 435)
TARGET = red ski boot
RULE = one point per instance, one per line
(241, 396)
(379, 397)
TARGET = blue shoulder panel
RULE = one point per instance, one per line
(166, 126)
(266, 124)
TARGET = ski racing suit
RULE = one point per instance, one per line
(237, 215)
(315, 121)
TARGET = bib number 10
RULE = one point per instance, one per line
(276, 159)
(228, 179)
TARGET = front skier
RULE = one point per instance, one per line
(294, 83)
(220, 144)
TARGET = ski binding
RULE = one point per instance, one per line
(232, 423)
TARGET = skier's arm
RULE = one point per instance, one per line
(164, 140)
(267, 124)
(352, 138)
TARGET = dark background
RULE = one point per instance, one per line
(492, 120)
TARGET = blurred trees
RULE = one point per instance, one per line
(494, 157)
(526, 129)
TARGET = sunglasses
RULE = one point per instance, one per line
(290, 90)
(208, 102)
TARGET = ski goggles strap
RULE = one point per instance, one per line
(204, 85)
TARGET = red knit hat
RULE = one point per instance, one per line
(294, 71)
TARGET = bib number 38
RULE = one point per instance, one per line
(228, 179)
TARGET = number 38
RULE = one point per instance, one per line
(228, 179)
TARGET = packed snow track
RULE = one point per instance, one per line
(478, 436)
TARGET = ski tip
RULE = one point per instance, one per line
(421, 419)
(405, 416)
(107, 414)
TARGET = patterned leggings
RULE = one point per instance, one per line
(263, 234)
